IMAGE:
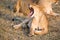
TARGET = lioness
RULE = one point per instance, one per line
(39, 23)
(46, 5)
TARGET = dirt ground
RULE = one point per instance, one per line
(7, 32)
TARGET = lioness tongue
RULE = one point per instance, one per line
(30, 14)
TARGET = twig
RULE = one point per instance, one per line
(25, 21)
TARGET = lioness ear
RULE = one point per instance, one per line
(29, 5)
(56, 1)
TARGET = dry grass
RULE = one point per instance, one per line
(7, 32)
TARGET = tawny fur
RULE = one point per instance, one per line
(47, 6)
(22, 5)
(17, 6)
(39, 20)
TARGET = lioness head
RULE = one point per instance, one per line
(31, 10)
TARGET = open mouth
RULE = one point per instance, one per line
(31, 11)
